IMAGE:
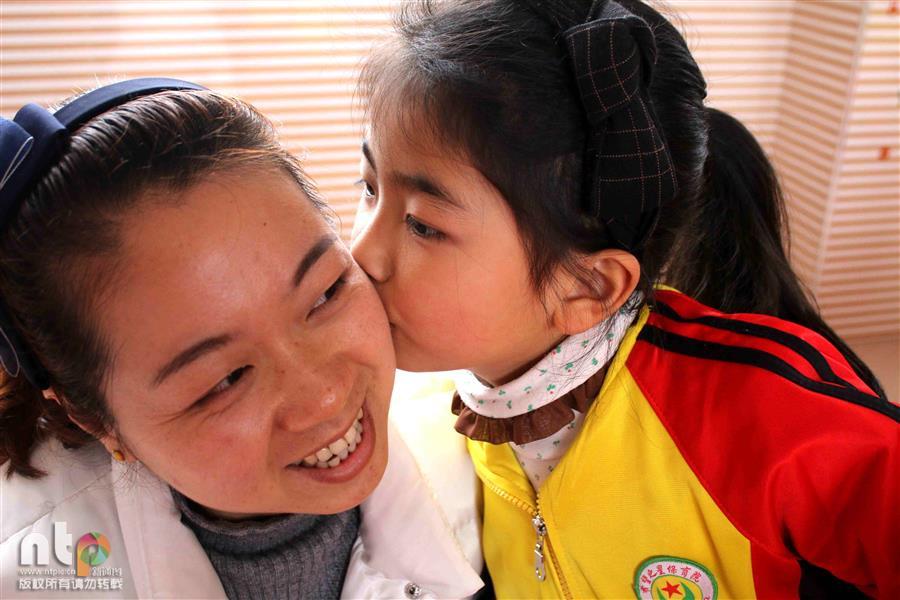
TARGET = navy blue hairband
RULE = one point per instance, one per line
(30, 145)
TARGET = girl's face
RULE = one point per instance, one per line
(442, 247)
(244, 338)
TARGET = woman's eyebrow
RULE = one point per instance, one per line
(204, 347)
(312, 255)
(188, 356)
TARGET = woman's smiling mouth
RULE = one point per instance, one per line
(337, 451)
(341, 460)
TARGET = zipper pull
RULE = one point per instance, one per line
(541, 530)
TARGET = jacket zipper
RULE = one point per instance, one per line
(540, 529)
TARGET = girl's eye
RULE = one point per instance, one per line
(368, 192)
(420, 229)
(329, 294)
(225, 384)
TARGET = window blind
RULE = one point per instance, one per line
(816, 80)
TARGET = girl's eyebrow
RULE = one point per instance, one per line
(367, 152)
(418, 183)
(430, 188)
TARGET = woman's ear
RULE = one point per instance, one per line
(605, 281)
(112, 443)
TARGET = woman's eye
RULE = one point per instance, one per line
(226, 383)
(329, 294)
(422, 230)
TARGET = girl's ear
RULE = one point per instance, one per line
(112, 444)
(607, 279)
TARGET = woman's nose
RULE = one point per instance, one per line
(371, 245)
(312, 390)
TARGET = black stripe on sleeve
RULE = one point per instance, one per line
(809, 352)
(758, 358)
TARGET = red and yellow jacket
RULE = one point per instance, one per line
(726, 456)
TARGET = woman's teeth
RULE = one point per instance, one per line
(334, 453)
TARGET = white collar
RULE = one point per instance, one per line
(404, 538)
(562, 370)
(164, 556)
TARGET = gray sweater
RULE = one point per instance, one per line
(283, 556)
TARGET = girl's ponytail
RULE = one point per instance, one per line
(733, 254)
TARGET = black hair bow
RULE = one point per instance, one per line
(628, 170)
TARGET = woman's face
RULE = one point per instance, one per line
(244, 339)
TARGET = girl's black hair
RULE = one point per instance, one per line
(490, 79)
(58, 254)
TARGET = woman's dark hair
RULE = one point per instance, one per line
(490, 79)
(58, 254)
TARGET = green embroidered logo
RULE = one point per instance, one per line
(671, 578)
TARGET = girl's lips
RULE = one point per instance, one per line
(349, 467)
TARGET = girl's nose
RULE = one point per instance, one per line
(371, 246)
